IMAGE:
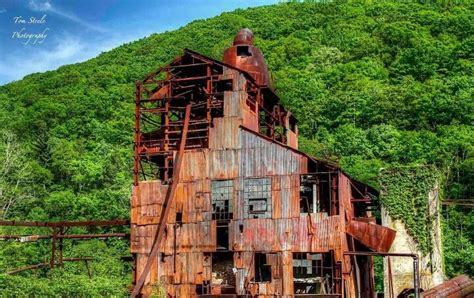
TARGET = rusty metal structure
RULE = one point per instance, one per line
(59, 233)
(459, 287)
(225, 204)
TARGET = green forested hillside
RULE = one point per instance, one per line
(374, 86)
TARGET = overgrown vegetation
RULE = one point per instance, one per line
(404, 192)
(374, 85)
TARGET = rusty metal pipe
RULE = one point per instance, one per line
(41, 265)
(48, 224)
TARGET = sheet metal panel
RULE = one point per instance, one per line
(239, 80)
(147, 202)
(287, 273)
(224, 133)
(233, 104)
(261, 157)
(345, 196)
(141, 260)
(250, 119)
(195, 165)
(238, 202)
(189, 268)
(318, 233)
(240, 277)
(224, 164)
(191, 237)
(292, 139)
(257, 234)
(376, 237)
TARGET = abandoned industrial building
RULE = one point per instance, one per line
(225, 204)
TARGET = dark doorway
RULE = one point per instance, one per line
(263, 271)
(223, 237)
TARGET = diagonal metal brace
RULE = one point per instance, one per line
(167, 203)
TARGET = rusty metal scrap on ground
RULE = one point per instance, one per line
(458, 287)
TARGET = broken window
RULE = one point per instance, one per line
(222, 85)
(309, 195)
(222, 192)
(204, 288)
(257, 198)
(243, 51)
(257, 206)
(313, 273)
(263, 271)
(318, 193)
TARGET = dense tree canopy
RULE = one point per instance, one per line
(373, 86)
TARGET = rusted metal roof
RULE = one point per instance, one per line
(375, 237)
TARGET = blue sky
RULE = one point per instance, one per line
(41, 35)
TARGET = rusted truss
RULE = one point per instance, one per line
(58, 234)
(200, 81)
(50, 224)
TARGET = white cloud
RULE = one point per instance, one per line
(40, 6)
(46, 6)
(67, 49)
(16, 65)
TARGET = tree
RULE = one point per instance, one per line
(14, 173)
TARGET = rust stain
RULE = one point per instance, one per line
(250, 214)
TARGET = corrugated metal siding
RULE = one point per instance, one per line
(234, 154)
(250, 119)
(296, 234)
(224, 133)
(223, 164)
(233, 103)
(264, 158)
(195, 165)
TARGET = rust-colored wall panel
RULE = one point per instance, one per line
(195, 166)
(233, 102)
(287, 267)
(224, 164)
(250, 119)
(292, 139)
(224, 133)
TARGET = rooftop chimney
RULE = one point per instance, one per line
(245, 56)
